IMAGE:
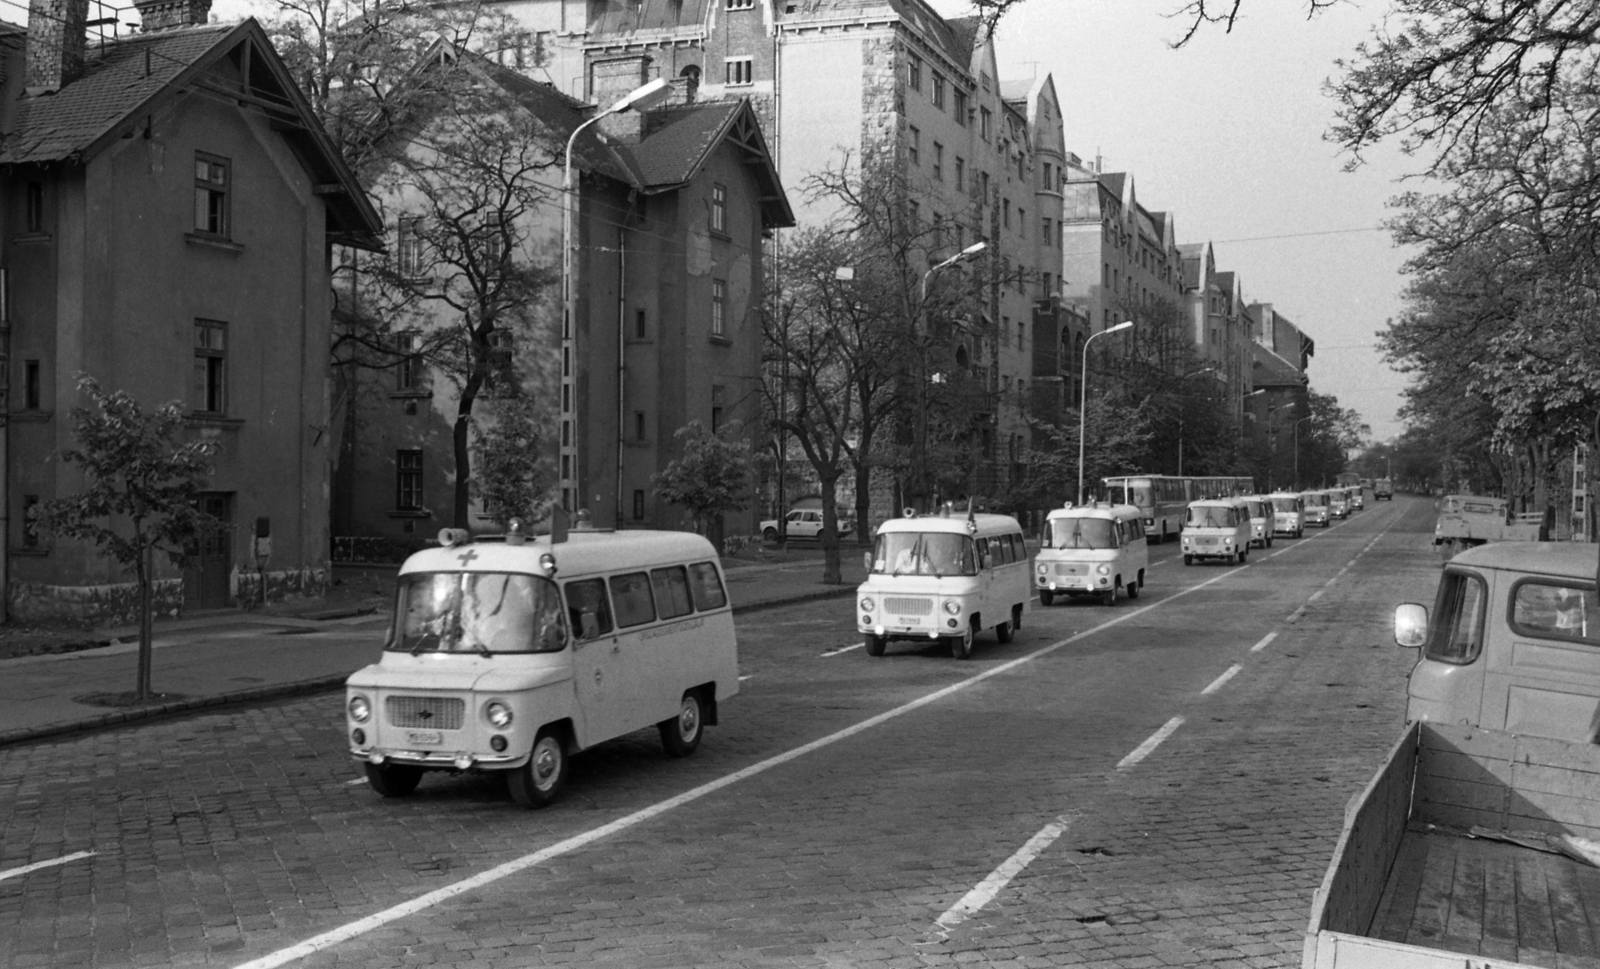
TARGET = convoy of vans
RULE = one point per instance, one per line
(1217, 528)
(1092, 550)
(511, 654)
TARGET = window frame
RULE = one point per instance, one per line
(719, 309)
(213, 386)
(1551, 634)
(719, 208)
(1440, 632)
(408, 479)
(218, 201)
(738, 71)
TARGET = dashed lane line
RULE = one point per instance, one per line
(998, 879)
(1217, 683)
(1268, 638)
(420, 903)
(64, 859)
(1151, 743)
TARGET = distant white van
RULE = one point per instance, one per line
(945, 576)
(512, 654)
(1261, 520)
(1288, 513)
(1217, 528)
(1317, 510)
(1092, 550)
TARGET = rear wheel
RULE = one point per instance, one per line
(536, 783)
(770, 536)
(1016, 617)
(873, 644)
(1133, 588)
(680, 735)
(1002, 632)
(393, 780)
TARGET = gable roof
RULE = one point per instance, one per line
(126, 80)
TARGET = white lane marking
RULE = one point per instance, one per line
(17, 872)
(1143, 750)
(352, 930)
(746, 677)
(1269, 637)
(1316, 595)
(837, 650)
(987, 889)
(359, 780)
(1295, 616)
(1216, 684)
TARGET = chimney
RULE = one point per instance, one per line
(167, 14)
(56, 42)
(611, 79)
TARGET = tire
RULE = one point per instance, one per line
(1133, 588)
(1002, 632)
(536, 783)
(1108, 597)
(873, 644)
(393, 780)
(1046, 597)
(1016, 618)
(1188, 560)
(1269, 542)
(1163, 533)
(770, 536)
(961, 646)
(680, 735)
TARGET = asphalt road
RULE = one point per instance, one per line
(1157, 783)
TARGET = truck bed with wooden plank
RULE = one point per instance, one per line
(1465, 850)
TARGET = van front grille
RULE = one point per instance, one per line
(1071, 568)
(908, 606)
(433, 712)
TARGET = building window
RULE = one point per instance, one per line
(1045, 235)
(961, 174)
(719, 207)
(641, 330)
(913, 216)
(1044, 285)
(638, 425)
(719, 308)
(1022, 333)
(408, 247)
(492, 240)
(938, 90)
(1022, 222)
(35, 207)
(985, 123)
(740, 70)
(914, 145)
(31, 394)
(1005, 213)
(914, 73)
(210, 367)
(938, 161)
(30, 521)
(1046, 179)
(718, 395)
(408, 369)
(211, 186)
(741, 4)
(638, 505)
(408, 480)
(961, 108)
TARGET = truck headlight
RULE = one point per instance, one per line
(867, 604)
(1104, 569)
(952, 606)
(1043, 569)
(498, 714)
(360, 709)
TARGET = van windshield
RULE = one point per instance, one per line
(1316, 501)
(476, 612)
(1081, 533)
(1212, 517)
(924, 553)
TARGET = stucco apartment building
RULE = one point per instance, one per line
(671, 212)
(834, 80)
(170, 203)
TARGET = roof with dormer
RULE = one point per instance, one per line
(126, 80)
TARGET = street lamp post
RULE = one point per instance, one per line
(1192, 373)
(919, 443)
(1297, 448)
(1272, 439)
(1083, 396)
(640, 98)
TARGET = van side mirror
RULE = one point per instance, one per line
(1410, 625)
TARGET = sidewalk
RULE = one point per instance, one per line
(234, 656)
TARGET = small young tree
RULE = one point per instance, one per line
(141, 484)
(712, 477)
(514, 474)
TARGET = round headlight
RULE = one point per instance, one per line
(867, 604)
(1104, 570)
(498, 713)
(1043, 568)
(952, 606)
(360, 709)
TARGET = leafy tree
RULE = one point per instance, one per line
(515, 463)
(141, 486)
(710, 478)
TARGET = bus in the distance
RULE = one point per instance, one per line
(1162, 500)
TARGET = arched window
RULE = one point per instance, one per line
(691, 82)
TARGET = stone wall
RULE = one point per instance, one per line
(118, 603)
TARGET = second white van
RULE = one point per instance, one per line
(1092, 550)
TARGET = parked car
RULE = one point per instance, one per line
(804, 524)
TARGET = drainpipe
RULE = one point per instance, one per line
(622, 357)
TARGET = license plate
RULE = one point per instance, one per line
(424, 737)
(909, 620)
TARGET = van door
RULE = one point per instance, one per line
(1543, 674)
(595, 660)
(1446, 685)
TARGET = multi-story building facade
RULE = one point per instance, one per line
(671, 210)
(171, 201)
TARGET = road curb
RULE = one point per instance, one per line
(278, 691)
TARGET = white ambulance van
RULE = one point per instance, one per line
(945, 576)
(511, 654)
(1092, 550)
(1288, 513)
(1217, 528)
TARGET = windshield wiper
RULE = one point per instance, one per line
(480, 647)
(422, 643)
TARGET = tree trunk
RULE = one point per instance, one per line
(146, 647)
(463, 454)
(830, 530)
(864, 504)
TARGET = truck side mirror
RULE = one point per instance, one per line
(1410, 624)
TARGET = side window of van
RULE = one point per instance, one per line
(1020, 547)
(1552, 611)
(707, 587)
(631, 593)
(1456, 634)
(983, 554)
(587, 608)
(672, 591)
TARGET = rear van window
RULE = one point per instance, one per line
(1551, 610)
(707, 586)
(631, 594)
(671, 586)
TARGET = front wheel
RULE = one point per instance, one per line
(393, 780)
(961, 646)
(1046, 597)
(1108, 597)
(680, 735)
(536, 783)
(1188, 560)
(873, 644)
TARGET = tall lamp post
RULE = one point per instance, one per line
(1083, 395)
(1272, 439)
(1297, 448)
(640, 98)
(919, 449)
(1192, 373)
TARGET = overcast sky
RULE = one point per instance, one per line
(1226, 133)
